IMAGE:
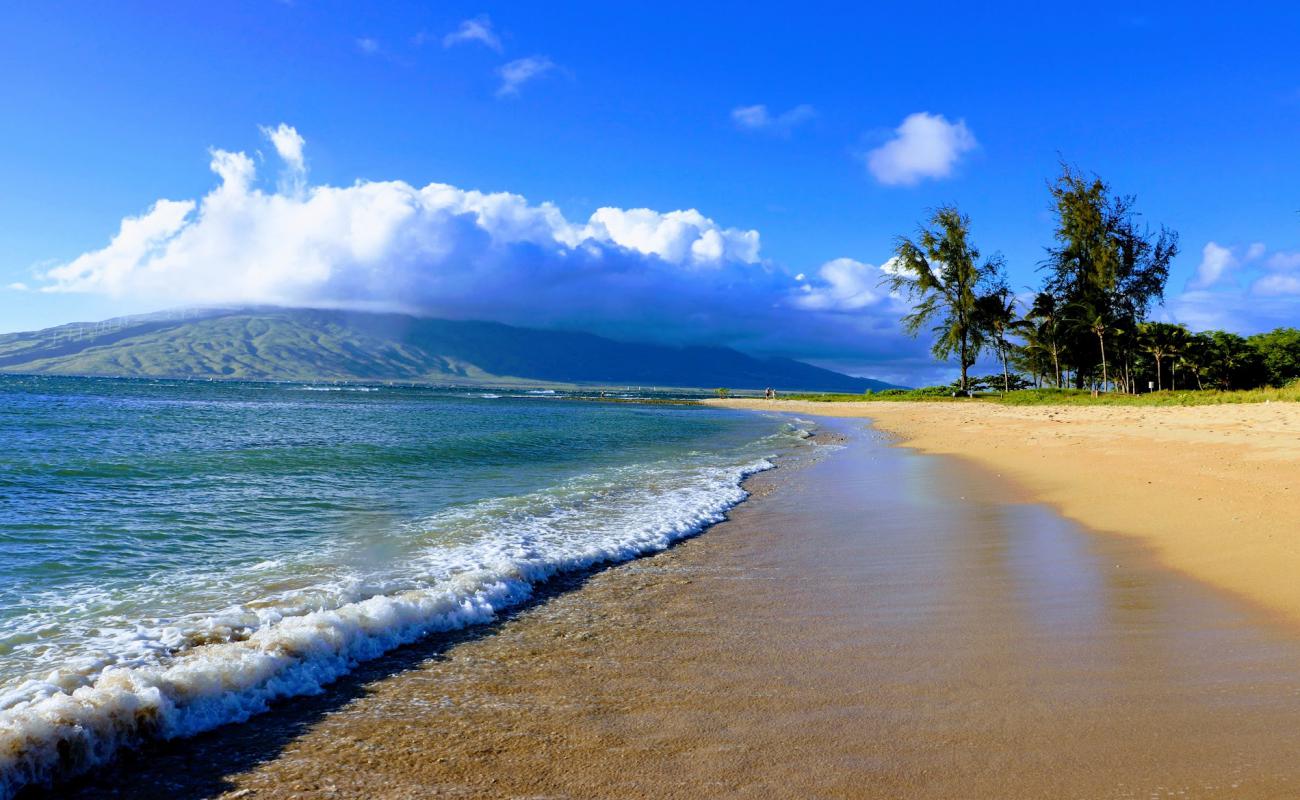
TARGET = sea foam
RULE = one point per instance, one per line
(53, 731)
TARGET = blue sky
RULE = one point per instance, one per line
(112, 107)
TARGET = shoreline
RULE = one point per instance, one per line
(1214, 491)
(871, 623)
(462, 569)
(202, 765)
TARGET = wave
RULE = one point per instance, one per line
(230, 674)
(335, 389)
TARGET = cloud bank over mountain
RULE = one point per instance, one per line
(439, 250)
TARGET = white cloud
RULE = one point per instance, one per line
(247, 245)
(678, 236)
(139, 240)
(923, 146)
(1234, 308)
(1241, 288)
(1282, 276)
(368, 45)
(1278, 285)
(637, 274)
(1283, 261)
(1268, 274)
(757, 118)
(516, 73)
(1216, 262)
(288, 144)
(848, 285)
(18, 286)
(478, 29)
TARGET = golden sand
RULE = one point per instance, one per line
(1213, 490)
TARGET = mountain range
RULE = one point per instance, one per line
(331, 345)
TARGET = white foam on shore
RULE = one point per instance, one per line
(51, 729)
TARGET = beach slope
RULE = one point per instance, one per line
(1213, 490)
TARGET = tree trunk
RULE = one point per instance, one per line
(1159, 386)
(1105, 377)
(1006, 376)
(963, 362)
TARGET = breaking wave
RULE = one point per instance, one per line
(231, 665)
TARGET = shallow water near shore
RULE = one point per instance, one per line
(175, 556)
(874, 623)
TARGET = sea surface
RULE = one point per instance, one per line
(177, 555)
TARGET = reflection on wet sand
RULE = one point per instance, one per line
(875, 624)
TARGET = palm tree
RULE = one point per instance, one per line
(1046, 334)
(997, 313)
(1162, 340)
(1196, 356)
(941, 272)
(1095, 320)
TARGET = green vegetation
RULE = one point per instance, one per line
(886, 395)
(942, 272)
(1086, 328)
(1185, 397)
(266, 345)
(280, 344)
(1075, 397)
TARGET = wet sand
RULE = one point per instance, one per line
(874, 624)
(1213, 490)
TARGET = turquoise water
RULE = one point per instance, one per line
(176, 555)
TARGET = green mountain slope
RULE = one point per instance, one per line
(319, 345)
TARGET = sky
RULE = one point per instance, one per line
(682, 173)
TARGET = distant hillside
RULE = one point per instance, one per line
(319, 345)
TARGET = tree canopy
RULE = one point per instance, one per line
(942, 272)
(1088, 324)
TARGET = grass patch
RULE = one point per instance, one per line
(1193, 397)
(1071, 397)
(885, 396)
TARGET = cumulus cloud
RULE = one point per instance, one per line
(478, 29)
(1244, 288)
(849, 285)
(1216, 262)
(515, 74)
(439, 250)
(758, 118)
(1278, 285)
(288, 144)
(923, 146)
(1265, 273)
(1283, 261)
(1280, 275)
(1219, 263)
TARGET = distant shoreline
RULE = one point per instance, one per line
(1213, 490)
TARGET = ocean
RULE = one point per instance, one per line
(176, 555)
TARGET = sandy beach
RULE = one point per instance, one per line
(1213, 490)
(873, 623)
